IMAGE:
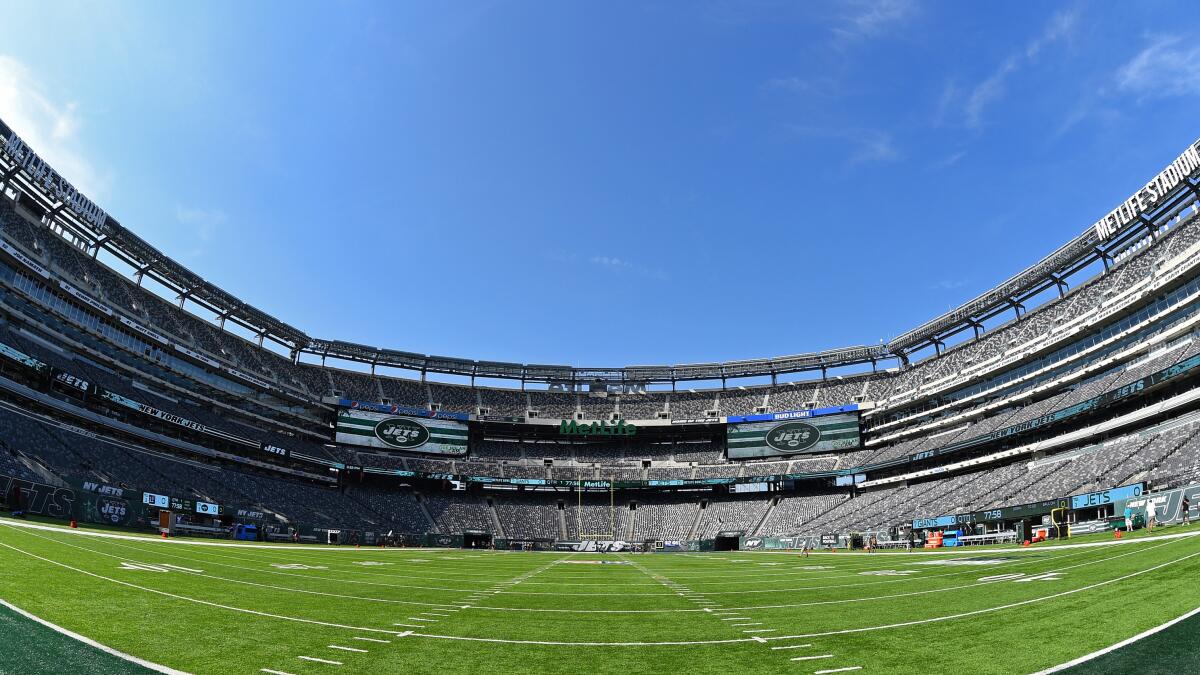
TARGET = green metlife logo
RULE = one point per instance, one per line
(793, 436)
(402, 433)
(573, 428)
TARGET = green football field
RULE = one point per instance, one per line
(215, 607)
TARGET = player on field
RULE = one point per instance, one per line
(1151, 512)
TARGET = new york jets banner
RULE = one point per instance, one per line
(793, 437)
(391, 432)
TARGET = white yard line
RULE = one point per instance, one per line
(791, 647)
(846, 631)
(607, 644)
(1123, 643)
(367, 639)
(273, 672)
(92, 643)
(198, 601)
(837, 670)
(812, 658)
(348, 649)
(316, 660)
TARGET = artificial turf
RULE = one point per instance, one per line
(238, 608)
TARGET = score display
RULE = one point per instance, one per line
(159, 501)
(207, 509)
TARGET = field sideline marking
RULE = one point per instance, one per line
(92, 643)
(439, 605)
(807, 604)
(319, 548)
(253, 583)
(605, 644)
(198, 601)
(537, 571)
(845, 631)
(1123, 643)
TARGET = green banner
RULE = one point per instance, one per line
(108, 504)
(391, 432)
(793, 437)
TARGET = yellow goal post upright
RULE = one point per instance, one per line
(1058, 524)
(612, 515)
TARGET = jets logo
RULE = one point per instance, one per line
(402, 433)
(112, 510)
(793, 436)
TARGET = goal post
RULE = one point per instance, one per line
(1058, 524)
(612, 515)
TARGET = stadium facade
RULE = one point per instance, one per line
(1057, 396)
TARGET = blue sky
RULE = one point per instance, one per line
(604, 184)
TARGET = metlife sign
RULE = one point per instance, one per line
(1151, 195)
(40, 173)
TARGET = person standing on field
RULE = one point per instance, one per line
(1186, 507)
(1151, 512)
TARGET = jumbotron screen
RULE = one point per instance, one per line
(810, 435)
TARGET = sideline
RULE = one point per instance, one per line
(316, 547)
(1123, 643)
(905, 624)
(576, 611)
(92, 643)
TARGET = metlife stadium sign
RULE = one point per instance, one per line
(1151, 194)
(52, 182)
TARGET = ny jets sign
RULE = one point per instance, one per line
(793, 436)
(393, 432)
(402, 433)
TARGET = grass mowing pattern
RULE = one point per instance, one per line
(29, 647)
(241, 609)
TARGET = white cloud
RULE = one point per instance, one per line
(204, 220)
(1060, 26)
(874, 146)
(867, 146)
(873, 17)
(605, 261)
(202, 223)
(622, 266)
(1166, 68)
(948, 285)
(793, 85)
(951, 160)
(49, 127)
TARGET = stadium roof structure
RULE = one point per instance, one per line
(92, 229)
